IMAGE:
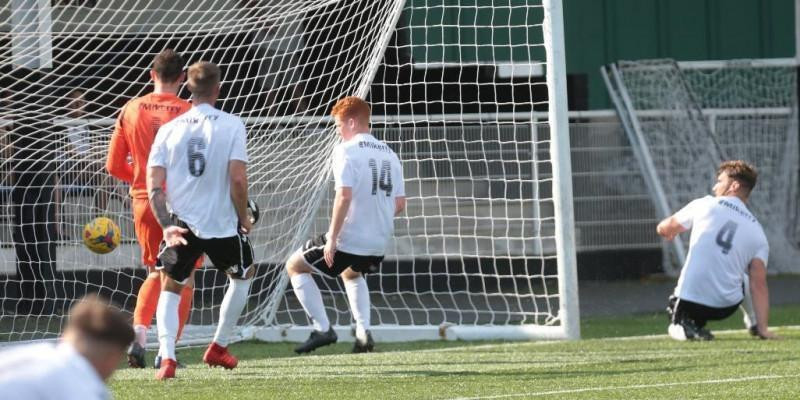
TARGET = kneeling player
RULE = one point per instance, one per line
(727, 250)
(201, 157)
(369, 193)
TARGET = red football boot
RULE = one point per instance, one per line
(217, 355)
(167, 370)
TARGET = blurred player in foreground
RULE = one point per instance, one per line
(93, 343)
(727, 244)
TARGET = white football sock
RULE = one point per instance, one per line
(141, 334)
(358, 296)
(167, 318)
(232, 305)
(310, 298)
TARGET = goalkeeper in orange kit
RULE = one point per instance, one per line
(134, 132)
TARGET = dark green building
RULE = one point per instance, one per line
(599, 32)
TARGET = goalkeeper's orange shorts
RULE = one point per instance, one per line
(149, 233)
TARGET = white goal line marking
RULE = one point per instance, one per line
(654, 385)
(554, 342)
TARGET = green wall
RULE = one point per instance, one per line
(462, 30)
(599, 32)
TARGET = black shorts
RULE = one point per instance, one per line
(699, 313)
(232, 255)
(313, 253)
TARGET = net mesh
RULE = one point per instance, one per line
(476, 245)
(753, 117)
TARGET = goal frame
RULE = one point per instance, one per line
(568, 315)
(564, 324)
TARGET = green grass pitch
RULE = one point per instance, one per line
(610, 363)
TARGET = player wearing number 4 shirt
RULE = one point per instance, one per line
(728, 252)
(369, 193)
(202, 158)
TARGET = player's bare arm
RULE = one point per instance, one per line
(760, 292)
(399, 205)
(238, 173)
(669, 228)
(341, 204)
(173, 235)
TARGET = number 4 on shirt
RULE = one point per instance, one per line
(725, 236)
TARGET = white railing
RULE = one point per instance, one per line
(613, 210)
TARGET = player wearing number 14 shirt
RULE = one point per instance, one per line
(369, 193)
(728, 252)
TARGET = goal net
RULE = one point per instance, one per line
(684, 118)
(485, 248)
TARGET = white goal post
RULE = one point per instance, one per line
(486, 248)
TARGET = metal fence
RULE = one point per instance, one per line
(612, 208)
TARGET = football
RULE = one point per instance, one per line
(253, 211)
(101, 235)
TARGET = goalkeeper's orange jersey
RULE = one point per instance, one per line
(134, 132)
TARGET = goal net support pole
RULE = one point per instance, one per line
(684, 118)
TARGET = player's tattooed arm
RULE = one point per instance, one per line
(158, 203)
(156, 177)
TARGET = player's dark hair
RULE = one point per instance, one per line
(168, 65)
(203, 77)
(73, 95)
(95, 318)
(76, 92)
(740, 171)
(352, 107)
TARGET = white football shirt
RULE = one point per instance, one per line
(374, 173)
(725, 238)
(195, 149)
(48, 371)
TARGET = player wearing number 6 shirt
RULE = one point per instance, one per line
(133, 136)
(727, 244)
(202, 158)
(369, 193)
